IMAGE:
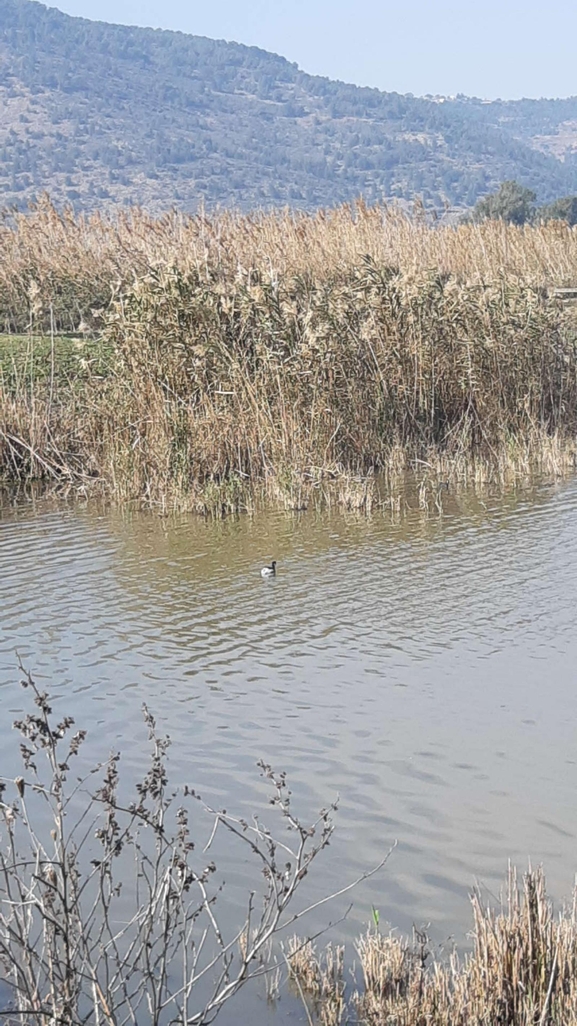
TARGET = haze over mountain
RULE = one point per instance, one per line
(102, 114)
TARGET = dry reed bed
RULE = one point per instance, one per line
(522, 971)
(75, 261)
(278, 352)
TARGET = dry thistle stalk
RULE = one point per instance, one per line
(109, 911)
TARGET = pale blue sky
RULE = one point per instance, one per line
(506, 48)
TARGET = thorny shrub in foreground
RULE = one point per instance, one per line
(78, 947)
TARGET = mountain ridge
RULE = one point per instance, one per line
(99, 115)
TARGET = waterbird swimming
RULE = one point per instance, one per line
(269, 571)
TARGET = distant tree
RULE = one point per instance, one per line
(564, 209)
(512, 202)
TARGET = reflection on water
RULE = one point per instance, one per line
(424, 670)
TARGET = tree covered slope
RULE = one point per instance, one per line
(100, 114)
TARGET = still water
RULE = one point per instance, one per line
(425, 670)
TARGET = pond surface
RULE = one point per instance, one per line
(425, 670)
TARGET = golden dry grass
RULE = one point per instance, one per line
(289, 354)
(75, 261)
(522, 970)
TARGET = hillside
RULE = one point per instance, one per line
(100, 114)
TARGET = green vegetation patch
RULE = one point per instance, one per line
(29, 361)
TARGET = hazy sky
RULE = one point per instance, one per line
(506, 48)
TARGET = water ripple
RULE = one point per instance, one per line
(423, 670)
